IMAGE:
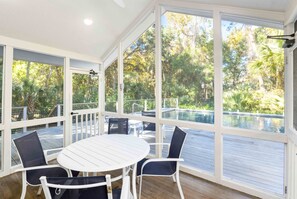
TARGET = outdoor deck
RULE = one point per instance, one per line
(153, 188)
(252, 162)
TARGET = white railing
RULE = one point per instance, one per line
(134, 105)
(21, 113)
(170, 101)
(85, 124)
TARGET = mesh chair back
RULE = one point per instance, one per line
(118, 126)
(30, 150)
(176, 145)
(99, 192)
(147, 125)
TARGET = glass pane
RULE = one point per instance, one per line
(139, 74)
(1, 81)
(51, 136)
(137, 128)
(37, 85)
(198, 151)
(256, 163)
(111, 87)
(84, 91)
(253, 69)
(187, 67)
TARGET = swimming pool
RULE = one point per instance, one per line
(262, 122)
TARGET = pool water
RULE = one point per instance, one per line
(261, 122)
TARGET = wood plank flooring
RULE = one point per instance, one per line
(153, 188)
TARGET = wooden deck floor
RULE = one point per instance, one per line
(255, 163)
(153, 188)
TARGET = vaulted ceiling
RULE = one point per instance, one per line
(59, 23)
(270, 5)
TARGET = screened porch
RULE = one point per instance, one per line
(213, 69)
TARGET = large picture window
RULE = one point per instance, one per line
(253, 85)
(139, 74)
(187, 67)
(37, 85)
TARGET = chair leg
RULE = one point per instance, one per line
(179, 186)
(24, 185)
(174, 178)
(140, 185)
(39, 190)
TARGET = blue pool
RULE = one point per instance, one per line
(262, 122)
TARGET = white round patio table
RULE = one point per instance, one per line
(105, 153)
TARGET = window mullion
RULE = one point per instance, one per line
(218, 95)
(158, 77)
(120, 80)
(7, 106)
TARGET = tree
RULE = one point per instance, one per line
(253, 69)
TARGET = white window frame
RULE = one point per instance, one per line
(274, 19)
(7, 125)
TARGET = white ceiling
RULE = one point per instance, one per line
(59, 23)
(270, 5)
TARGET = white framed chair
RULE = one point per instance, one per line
(94, 187)
(34, 162)
(167, 167)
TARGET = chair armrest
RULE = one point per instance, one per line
(39, 167)
(168, 144)
(86, 186)
(161, 160)
(50, 150)
(69, 184)
(45, 152)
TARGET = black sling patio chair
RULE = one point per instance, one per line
(118, 126)
(35, 163)
(168, 167)
(147, 126)
(94, 187)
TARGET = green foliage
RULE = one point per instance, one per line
(37, 86)
(253, 67)
(253, 70)
(84, 89)
(139, 70)
(111, 87)
(187, 60)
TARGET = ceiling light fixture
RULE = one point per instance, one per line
(88, 21)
